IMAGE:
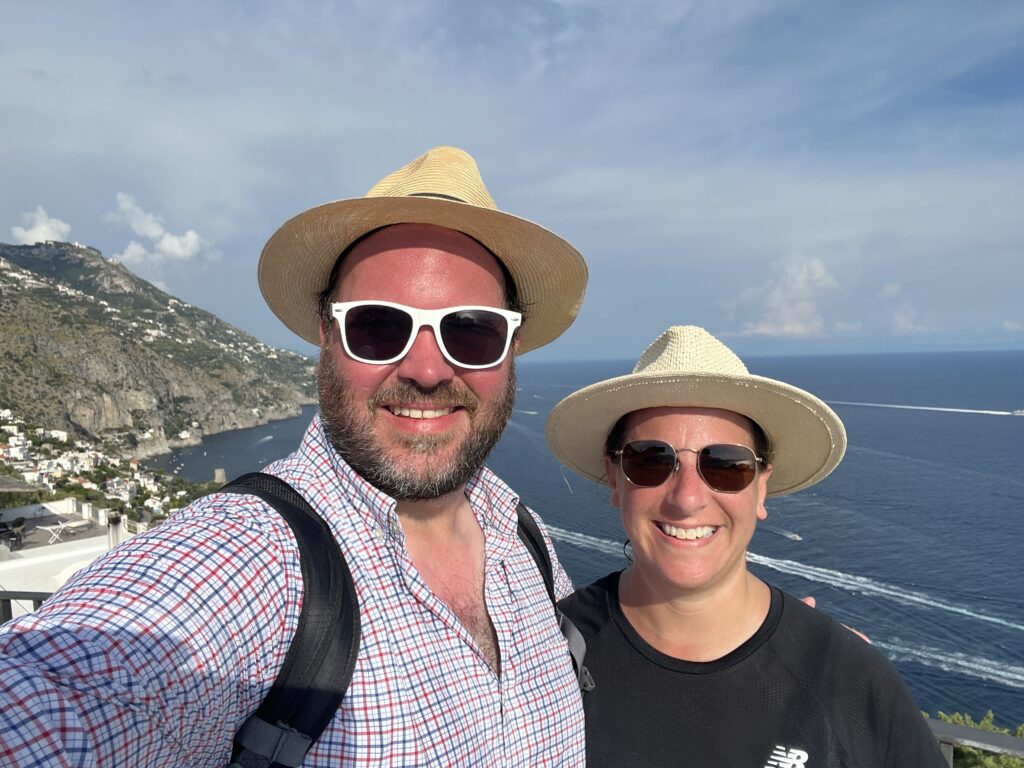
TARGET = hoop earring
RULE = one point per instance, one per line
(627, 550)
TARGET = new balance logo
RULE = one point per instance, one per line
(786, 758)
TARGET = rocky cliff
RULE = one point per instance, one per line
(88, 346)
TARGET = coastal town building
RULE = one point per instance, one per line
(43, 543)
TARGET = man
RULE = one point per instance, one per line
(161, 649)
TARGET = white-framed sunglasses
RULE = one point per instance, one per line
(382, 332)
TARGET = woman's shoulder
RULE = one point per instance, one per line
(812, 633)
(814, 624)
(590, 607)
(853, 684)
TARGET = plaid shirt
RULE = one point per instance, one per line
(159, 650)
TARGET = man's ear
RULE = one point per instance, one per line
(325, 331)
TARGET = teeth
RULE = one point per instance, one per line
(687, 534)
(420, 413)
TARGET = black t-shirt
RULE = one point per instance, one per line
(803, 691)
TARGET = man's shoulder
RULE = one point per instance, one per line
(242, 507)
(230, 526)
(236, 507)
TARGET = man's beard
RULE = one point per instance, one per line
(349, 427)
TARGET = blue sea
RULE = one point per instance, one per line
(916, 539)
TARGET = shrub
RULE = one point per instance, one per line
(970, 757)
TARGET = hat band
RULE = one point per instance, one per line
(438, 196)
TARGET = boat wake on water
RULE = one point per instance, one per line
(977, 667)
(1017, 412)
(583, 540)
(782, 532)
(844, 581)
(985, 669)
(866, 586)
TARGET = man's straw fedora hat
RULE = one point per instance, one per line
(442, 187)
(687, 366)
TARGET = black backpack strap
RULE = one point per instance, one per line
(319, 663)
(529, 533)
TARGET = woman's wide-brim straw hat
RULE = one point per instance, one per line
(687, 366)
(442, 187)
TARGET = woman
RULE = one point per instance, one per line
(695, 660)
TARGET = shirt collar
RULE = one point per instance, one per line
(493, 502)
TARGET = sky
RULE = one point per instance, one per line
(799, 177)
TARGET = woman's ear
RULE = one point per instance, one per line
(762, 492)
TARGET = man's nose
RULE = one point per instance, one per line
(425, 364)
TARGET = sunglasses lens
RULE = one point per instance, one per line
(474, 336)
(648, 463)
(724, 468)
(376, 333)
(727, 468)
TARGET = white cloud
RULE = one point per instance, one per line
(164, 247)
(143, 224)
(40, 228)
(848, 327)
(134, 253)
(180, 247)
(903, 319)
(878, 138)
(791, 307)
(1011, 327)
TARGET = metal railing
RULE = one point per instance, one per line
(36, 598)
(949, 735)
(952, 735)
